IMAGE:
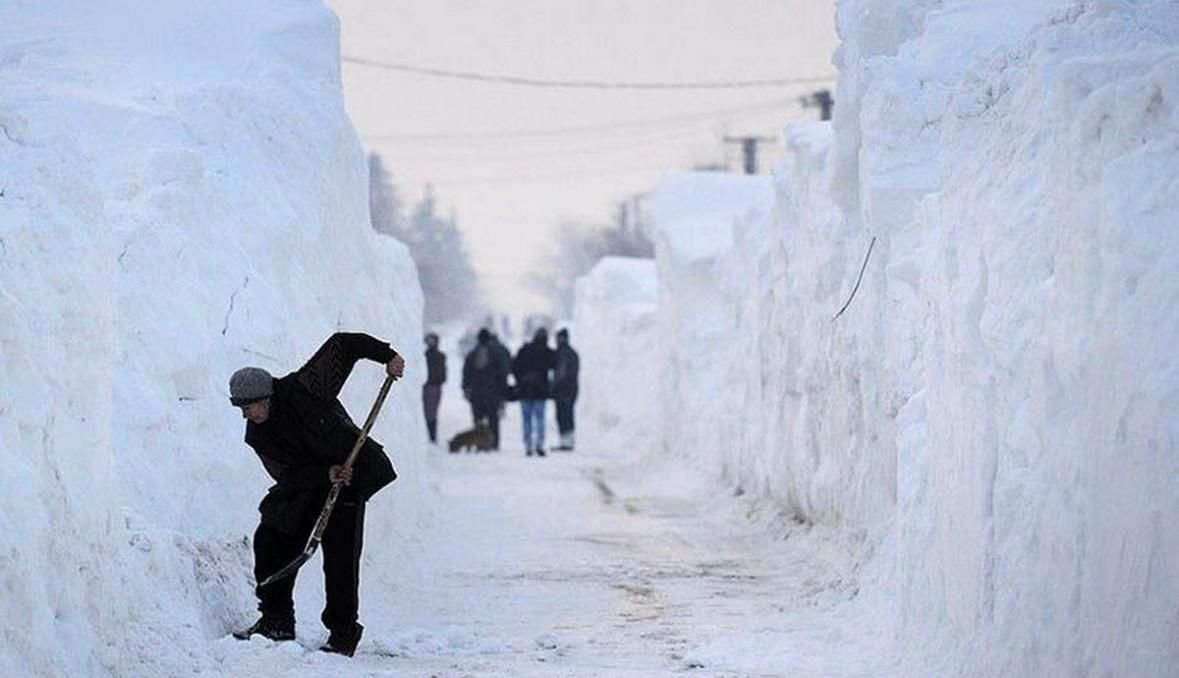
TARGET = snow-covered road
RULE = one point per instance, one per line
(583, 565)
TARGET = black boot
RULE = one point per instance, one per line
(343, 641)
(270, 626)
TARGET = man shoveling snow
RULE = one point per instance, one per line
(303, 435)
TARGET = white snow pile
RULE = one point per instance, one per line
(181, 194)
(702, 222)
(614, 317)
(996, 409)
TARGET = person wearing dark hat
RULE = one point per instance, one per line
(432, 389)
(484, 379)
(531, 368)
(565, 368)
(302, 434)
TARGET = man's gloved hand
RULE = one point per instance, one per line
(340, 475)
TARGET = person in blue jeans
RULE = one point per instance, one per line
(531, 367)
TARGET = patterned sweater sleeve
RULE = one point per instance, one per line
(325, 373)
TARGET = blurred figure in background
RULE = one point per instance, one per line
(484, 379)
(432, 389)
(504, 356)
(565, 370)
(531, 368)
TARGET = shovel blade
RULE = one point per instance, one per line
(291, 567)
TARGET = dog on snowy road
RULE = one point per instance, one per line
(477, 439)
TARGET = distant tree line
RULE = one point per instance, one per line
(577, 247)
(449, 284)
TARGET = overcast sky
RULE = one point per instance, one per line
(504, 157)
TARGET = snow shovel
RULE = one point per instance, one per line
(321, 523)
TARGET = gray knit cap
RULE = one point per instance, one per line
(249, 385)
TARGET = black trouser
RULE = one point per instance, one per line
(565, 414)
(342, 542)
(486, 412)
(431, 397)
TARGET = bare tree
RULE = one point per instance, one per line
(576, 248)
(449, 284)
(384, 200)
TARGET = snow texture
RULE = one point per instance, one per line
(995, 411)
(615, 320)
(180, 195)
(979, 455)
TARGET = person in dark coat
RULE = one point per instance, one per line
(565, 369)
(432, 389)
(484, 376)
(504, 355)
(531, 369)
(303, 435)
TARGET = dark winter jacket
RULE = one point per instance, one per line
(309, 430)
(504, 356)
(484, 376)
(435, 366)
(531, 369)
(565, 369)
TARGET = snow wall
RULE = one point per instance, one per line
(181, 194)
(995, 411)
(614, 320)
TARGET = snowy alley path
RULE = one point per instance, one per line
(561, 567)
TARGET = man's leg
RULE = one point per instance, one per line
(539, 425)
(342, 543)
(493, 418)
(434, 412)
(565, 422)
(526, 417)
(272, 551)
(484, 415)
(431, 397)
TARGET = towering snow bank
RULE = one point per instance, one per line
(998, 401)
(696, 221)
(614, 316)
(1027, 229)
(181, 193)
(758, 383)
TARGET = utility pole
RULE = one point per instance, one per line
(636, 210)
(628, 213)
(749, 150)
(620, 215)
(821, 100)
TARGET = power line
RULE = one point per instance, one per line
(583, 84)
(466, 153)
(611, 175)
(636, 124)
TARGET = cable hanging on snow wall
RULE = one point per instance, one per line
(859, 279)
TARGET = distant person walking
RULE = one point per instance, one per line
(303, 435)
(432, 389)
(531, 368)
(565, 369)
(484, 376)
